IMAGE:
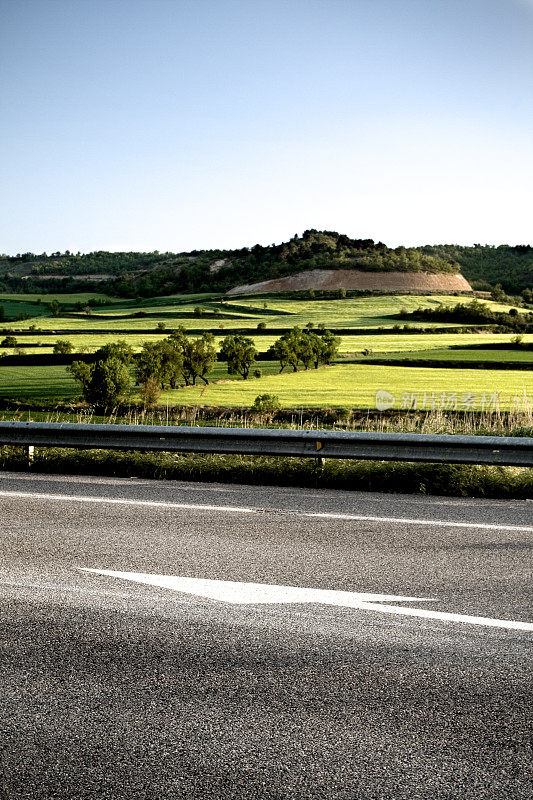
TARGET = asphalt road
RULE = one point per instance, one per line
(116, 688)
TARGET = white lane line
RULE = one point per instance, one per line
(407, 521)
(291, 512)
(256, 593)
(125, 502)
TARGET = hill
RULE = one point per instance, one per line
(152, 274)
(354, 279)
(486, 265)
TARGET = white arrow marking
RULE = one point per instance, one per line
(254, 593)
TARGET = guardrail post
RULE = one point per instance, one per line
(29, 450)
(320, 461)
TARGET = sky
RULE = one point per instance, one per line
(174, 125)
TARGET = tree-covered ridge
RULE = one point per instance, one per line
(486, 265)
(150, 274)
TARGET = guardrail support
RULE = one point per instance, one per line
(30, 454)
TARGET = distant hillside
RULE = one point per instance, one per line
(354, 279)
(512, 267)
(151, 274)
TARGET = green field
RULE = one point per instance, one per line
(391, 343)
(362, 312)
(479, 356)
(344, 385)
(355, 386)
(74, 297)
(341, 386)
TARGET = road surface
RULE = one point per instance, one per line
(170, 640)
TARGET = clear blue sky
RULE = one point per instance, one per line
(177, 124)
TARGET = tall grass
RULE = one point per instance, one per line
(493, 423)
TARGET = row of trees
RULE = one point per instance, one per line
(477, 313)
(305, 347)
(179, 360)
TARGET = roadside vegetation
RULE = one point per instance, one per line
(440, 479)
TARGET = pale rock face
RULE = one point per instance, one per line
(218, 264)
(442, 282)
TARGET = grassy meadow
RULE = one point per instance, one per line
(351, 312)
(345, 385)
(341, 386)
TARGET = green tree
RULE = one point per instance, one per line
(329, 348)
(63, 346)
(148, 362)
(280, 350)
(107, 381)
(108, 385)
(150, 392)
(119, 349)
(497, 293)
(81, 372)
(198, 358)
(9, 341)
(162, 361)
(288, 349)
(239, 352)
(53, 305)
(199, 355)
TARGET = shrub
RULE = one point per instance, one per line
(266, 402)
(63, 346)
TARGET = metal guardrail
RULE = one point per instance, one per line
(502, 450)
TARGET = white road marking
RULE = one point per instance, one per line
(407, 521)
(124, 501)
(244, 510)
(253, 593)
